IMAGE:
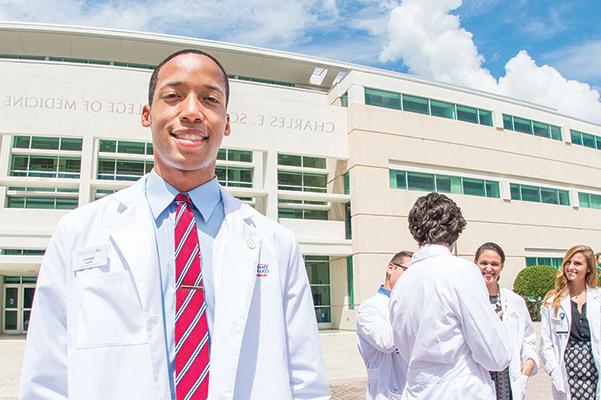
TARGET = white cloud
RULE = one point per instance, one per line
(279, 24)
(431, 43)
(580, 61)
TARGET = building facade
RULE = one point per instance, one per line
(336, 152)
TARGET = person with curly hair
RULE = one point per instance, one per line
(571, 328)
(441, 317)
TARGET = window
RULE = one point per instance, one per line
(442, 109)
(530, 127)
(234, 176)
(302, 209)
(42, 198)
(539, 194)
(416, 104)
(344, 100)
(443, 183)
(235, 155)
(22, 252)
(301, 181)
(585, 139)
(422, 105)
(382, 98)
(47, 143)
(318, 271)
(467, 114)
(589, 200)
(122, 170)
(125, 147)
(45, 166)
(554, 262)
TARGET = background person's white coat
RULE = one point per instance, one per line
(386, 370)
(554, 335)
(522, 337)
(445, 328)
(97, 333)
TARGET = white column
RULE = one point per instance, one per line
(497, 120)
(87, 169)
(270, 182)
(356, 95)
(5, 147)
(574, 201)
(565, 134)
(505, 190)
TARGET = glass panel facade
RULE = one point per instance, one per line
(585, 139)
(122, 170)
(507, 122)
(398, 179)
(522, 125)
(125, 147)
(290, 159)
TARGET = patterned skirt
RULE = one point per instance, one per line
(582, 373)
(502, 384)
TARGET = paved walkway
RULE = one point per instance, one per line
(344, 367)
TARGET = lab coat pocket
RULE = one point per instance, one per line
(109, 312)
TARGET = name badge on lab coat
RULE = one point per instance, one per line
(560, 323)
(90, 258)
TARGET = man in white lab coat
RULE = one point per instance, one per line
(443, 324)
(104, 313)
(386, 370)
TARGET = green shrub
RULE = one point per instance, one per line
(533, 283)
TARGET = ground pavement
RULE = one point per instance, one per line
(344, 368)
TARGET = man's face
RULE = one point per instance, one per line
(396, 270)
(188, 118)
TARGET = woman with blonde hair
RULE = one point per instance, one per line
(571, 328)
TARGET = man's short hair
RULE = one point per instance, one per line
(435, 219)
(398, 257)
(155, 74)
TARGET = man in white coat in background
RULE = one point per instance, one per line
(386, 370)
(443, 324)
(173, 289)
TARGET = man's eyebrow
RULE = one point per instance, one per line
(208, 87)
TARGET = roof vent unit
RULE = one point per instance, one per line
(318, 76)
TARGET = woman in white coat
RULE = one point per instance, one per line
(442, 321)
(570, 328)
(511, 308)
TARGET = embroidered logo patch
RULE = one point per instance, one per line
(262, 270)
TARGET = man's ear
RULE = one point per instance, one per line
(145, 117)
(228, 128)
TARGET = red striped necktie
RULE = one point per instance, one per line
(191, 328)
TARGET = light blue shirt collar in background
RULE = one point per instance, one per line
(384, 291)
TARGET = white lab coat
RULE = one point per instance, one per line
(97, 333)
(522, 337)
(386, 370)
(445, 328)
(553, 342)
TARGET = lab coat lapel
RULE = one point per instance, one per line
(132, 233)
(593, 312)
(235, 257)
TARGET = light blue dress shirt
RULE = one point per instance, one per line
(209, 214)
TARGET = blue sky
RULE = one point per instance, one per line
(544, 51)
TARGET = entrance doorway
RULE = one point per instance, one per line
(17, 299)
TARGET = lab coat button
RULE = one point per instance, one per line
(250, 243)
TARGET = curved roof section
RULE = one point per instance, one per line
(32, 39)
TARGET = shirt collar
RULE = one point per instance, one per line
(384, 291)
(161, 194)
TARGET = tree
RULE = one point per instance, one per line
(533, 283)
